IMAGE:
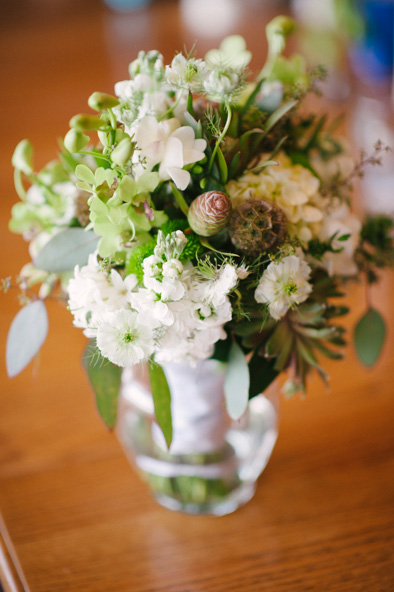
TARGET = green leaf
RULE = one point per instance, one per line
(236, 382)
(262, 373)
(278, 114)
(223, 171)
(369, 336)
(85, 174)
(66, 249)
(234, 165)
(161, 399)
(26, 335)
(105, 379)
(180, 199)
(222, 348)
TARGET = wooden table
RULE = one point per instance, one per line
(75, 517)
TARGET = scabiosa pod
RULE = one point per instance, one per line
(209, 213)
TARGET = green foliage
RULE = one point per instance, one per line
(66, 249)
(105, 379)
(369, 336)
(27, 334)
(136, 256)
(262, 374)
(236, 383)
(161, 399)
(377, 231)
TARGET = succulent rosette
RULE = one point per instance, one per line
(199, 212)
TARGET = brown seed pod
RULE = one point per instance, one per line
(256, 226)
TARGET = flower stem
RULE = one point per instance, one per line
(173, 107)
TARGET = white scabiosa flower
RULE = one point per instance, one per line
(221, 84)
(188, 74)
(123, 340)
(284, 285)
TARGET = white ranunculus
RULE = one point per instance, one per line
(284, 285)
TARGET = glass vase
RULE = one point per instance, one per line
(213, 462)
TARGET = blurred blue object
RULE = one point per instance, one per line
(126, 5)
(372, 56)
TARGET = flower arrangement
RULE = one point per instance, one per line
(199, 213)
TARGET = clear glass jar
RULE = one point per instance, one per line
(213, 462)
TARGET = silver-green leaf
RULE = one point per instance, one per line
(236, 382)
(369, 336)
(26, 335)
(67, 249)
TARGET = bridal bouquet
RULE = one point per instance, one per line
(199, 213)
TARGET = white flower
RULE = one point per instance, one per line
(186, 73)
(172, 269)
(284, 285)
(221, 83)
(170, 145)
(123, 340)
(152, 311)
(213, 291)
(339, 222)
(122, 289)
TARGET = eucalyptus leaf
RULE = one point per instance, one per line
(369, 336)
(104, 378)
(162, 400)
(236, 382)
(67, 249)
(27, 333)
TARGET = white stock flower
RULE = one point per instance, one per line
(123, 340)
(170, 145)
(284, 285)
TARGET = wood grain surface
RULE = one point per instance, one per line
(75, 517)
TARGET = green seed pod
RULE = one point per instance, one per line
(209, 213)
(22, 159)
(123, 152)
(75, 141)
(87, 123)
(100, 101)
(256, 226)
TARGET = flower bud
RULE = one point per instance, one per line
(22, 159)
(209, 213)
(277, 30)
(75, 141)
(123, 152)
(100, 101)
(87, 123)
(106, 137)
